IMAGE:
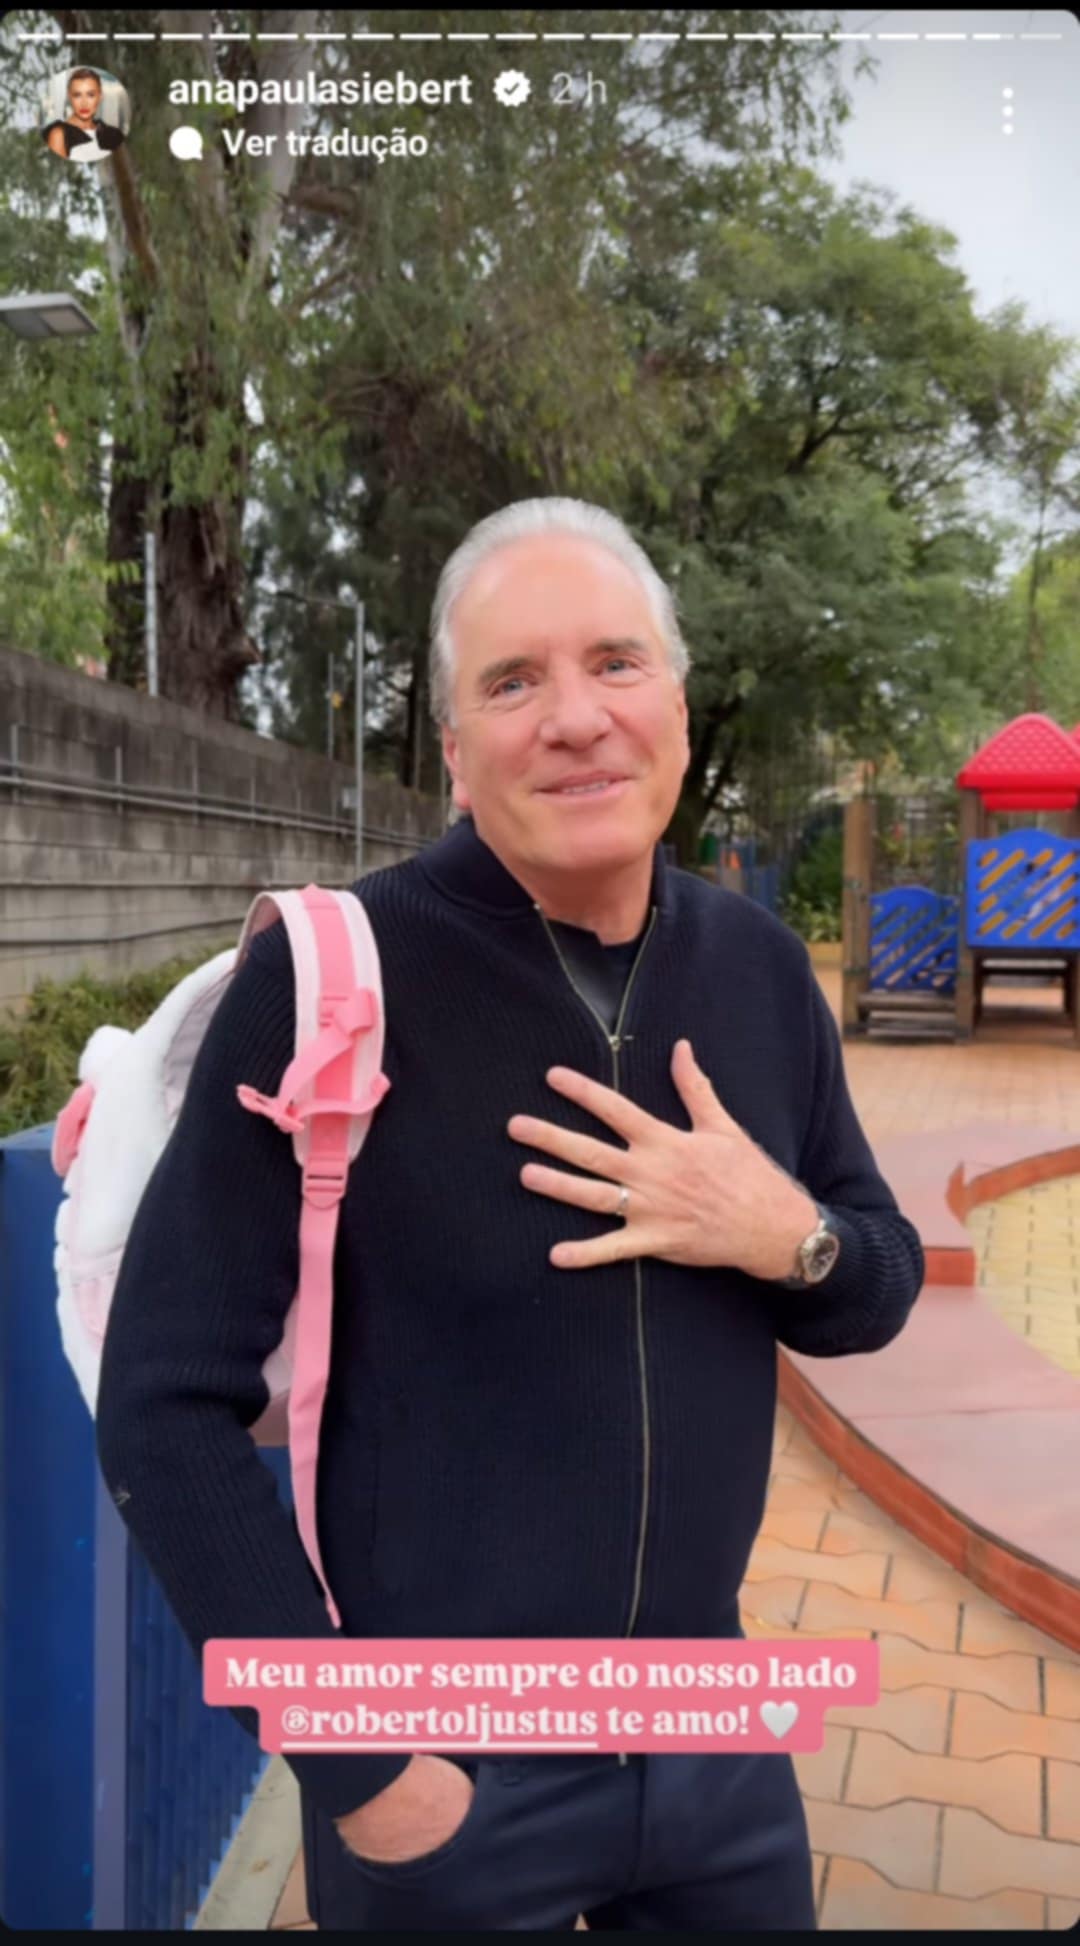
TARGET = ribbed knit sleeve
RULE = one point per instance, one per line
(866, 1299)
(207, 1277)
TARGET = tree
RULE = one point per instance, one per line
(840, 393)
(1043, 598)
(464, 337)
(188, 251)
(54, 399)
(216, 320)
(1047, 431)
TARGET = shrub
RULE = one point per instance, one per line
(40, 1049)
(816, 924)
(813, 901)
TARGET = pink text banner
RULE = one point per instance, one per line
(570, 1695)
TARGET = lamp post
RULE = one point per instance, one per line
(46, 314)
(356, 610)
(358, 735)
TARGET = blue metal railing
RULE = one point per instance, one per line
(190, 1769)
(120, 1789)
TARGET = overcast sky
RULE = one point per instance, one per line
(930, 124)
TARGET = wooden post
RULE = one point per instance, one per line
(858, 866)
(972, 827)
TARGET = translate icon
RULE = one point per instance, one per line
(186, 144)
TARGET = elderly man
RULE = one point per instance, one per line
(618, 1164)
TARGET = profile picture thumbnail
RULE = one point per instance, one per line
(85, 114)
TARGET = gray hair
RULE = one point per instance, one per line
(553, 515)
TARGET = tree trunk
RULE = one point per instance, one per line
(1032, 643)
(125, 619)
(699, 793)
(684, 831)
(413, 706)
(419, 687)
(203, 646)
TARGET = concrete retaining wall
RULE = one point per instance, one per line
(133, 829)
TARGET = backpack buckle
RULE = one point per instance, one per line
(323, 1181)
(350, 1013)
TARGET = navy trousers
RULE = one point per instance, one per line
(711, 1843)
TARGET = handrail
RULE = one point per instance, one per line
(18, 776)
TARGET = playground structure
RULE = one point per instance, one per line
(917, 960)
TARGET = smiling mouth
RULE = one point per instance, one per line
(602, 788)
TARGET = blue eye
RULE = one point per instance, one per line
(606, 664)
(608, 660)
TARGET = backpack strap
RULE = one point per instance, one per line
(325, 1100)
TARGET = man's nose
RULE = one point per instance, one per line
(574, 711)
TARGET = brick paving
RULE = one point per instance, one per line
(954, 1803)
(1028, 1262)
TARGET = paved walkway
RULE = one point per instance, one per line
(1028, 1262)
(954, 1803)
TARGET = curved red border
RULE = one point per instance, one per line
(961, 1430)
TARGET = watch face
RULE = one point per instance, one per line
(820, 1258)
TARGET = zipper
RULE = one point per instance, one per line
(615, 1042)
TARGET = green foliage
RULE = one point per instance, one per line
(1041, 627)
(40, 1048)
(817, 877)
(813, 900)
(54, 416)
(818, 925)
(829, 551)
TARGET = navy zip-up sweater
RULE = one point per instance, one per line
(508, 1449)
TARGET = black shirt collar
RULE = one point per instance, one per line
(463, 867)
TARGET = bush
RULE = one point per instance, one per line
(39, 1050)
(813, 901)
(816, 924)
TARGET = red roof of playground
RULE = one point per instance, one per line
(1032, 755)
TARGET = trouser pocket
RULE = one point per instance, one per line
(429, 1861)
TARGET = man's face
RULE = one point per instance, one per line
(561, 673)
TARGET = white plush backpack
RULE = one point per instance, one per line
(109, 1136)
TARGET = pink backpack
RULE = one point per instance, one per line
(109, 1136)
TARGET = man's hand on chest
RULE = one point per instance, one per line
(707, 1196)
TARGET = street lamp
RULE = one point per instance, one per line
(356, 610)
(46, 315)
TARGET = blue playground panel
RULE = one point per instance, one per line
(913, 940)
(1023, 889)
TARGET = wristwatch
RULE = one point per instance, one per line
(816, 1255)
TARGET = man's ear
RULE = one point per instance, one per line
(459, 793)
